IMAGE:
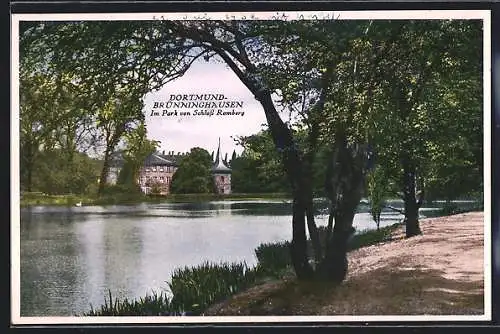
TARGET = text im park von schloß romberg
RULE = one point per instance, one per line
(197, 105)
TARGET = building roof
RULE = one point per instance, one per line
(175, 159)
(157, 160)
(219, 166)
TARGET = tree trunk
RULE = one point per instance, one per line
(334, 265)
(344, 185)
(306, 190)
(104, 172)
(294, 167)
(300, 261)
(410, 199)
(313, 231)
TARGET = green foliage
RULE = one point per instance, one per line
(451, 208)
(273, 258)
(119, 189)
(137, 149)
(39, 198)
(365, 239)
(194, 175)
(120, 194)
(194, 289)
(259, 168)
(54, 174)
(428, 110)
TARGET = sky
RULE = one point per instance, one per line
(180, 133)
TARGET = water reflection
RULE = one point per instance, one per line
(70, 257)
(49, 256)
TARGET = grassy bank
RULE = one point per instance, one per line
(194, 290)
(35, 198)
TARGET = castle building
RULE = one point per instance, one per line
(159, 168)
(222, 174)
(157, 171)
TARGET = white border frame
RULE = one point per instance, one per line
(16, 318)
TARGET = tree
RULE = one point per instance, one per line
(258, 169)
(194, 175)
(52, 113)
(137, 149)
(323, 85)
(233, 156)
(55, 175)
(377, 193)
(104, 58)
(114, 120)
(430, 71)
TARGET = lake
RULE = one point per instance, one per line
(72, 256)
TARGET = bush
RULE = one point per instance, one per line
(120, 189)
(451, 208)
(120, 193)
(369, 238)
(273, 258)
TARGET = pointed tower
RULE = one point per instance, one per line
(217, 154)
(222, 174)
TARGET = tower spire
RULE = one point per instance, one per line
(217, 157)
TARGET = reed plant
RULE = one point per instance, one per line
(194, 289)
(150, 305)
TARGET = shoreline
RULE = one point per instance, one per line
(72, 200)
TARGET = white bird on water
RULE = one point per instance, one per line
(79, 203)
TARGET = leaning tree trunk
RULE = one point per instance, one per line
(294, 167)
(344, 185)
(410, 198)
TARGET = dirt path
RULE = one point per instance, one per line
(439, 272)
